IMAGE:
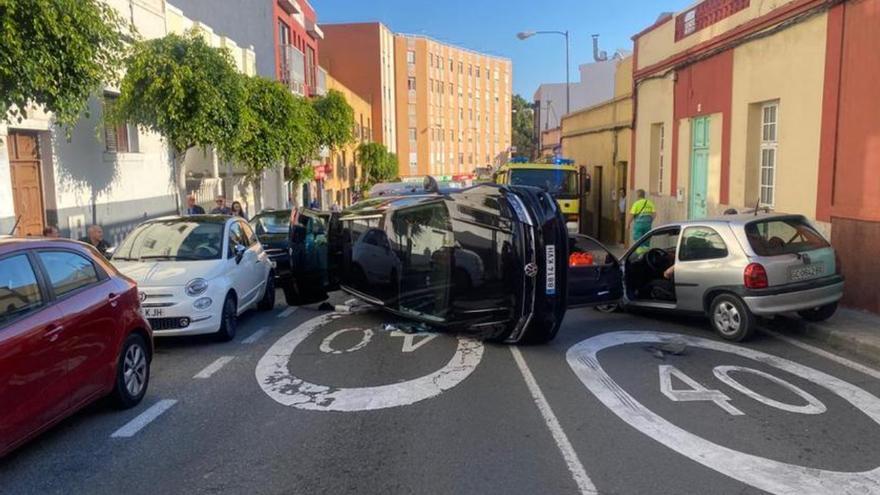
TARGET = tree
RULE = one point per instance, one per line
(185, 90)
(335, 123)
(56, 54)
(523, 124)
(378, 164)
(269, 135)
(298, 168)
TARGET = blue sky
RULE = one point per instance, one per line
(491, 26)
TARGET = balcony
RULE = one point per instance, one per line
(313, 29)
(320, 86)
(292, 68)
(289, 6)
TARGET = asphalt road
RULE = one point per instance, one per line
(321, 402)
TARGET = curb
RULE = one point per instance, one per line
(834, 334)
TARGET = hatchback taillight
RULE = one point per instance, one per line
(755, 277)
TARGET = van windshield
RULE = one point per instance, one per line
(778, 236)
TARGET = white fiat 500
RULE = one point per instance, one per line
(197, 274)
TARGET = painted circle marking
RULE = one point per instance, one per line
(275, 378)
(365, 339)
(766, 474)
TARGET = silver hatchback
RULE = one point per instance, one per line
(732, 269)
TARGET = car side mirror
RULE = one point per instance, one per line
(239, 252)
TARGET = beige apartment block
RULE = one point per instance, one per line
(453, 108)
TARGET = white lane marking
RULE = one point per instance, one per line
(143, 419)
(254, 337)
(762, 473)
(366, 336)
(214, 367)
(408, 340)
(275, 378)
(873, 373)
(287, 312)
(585, 485)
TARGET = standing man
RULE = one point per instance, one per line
(192, 208)
(221, 208)
(51, 232)
(643, 213)
(95, 237)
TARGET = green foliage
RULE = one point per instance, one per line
(185, 90)
(335, 124)
(56, 53)
(523, 124)
(378, 164)
(275, 127)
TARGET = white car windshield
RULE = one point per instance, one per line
(173, 240)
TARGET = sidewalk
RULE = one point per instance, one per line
(851, 331)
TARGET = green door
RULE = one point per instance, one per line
(699, 168)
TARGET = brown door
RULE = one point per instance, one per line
(27, 191)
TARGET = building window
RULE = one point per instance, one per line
(451, 65)
(431, 60)
(411, 83)
(412, 133)
(461, 67)
(118, 138)
(769, 150)
(690, 22)
(410, 57)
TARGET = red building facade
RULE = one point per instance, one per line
(297, 34)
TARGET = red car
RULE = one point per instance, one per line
(70, 332)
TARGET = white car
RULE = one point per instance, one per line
(197, 274)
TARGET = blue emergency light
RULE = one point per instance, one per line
(563, 161)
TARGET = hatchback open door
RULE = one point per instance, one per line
(594, 274)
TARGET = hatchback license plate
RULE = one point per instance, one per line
(153, 312)
(551, 270)
(807, 271)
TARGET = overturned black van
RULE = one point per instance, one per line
(490, 260)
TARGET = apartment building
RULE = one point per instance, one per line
(342, 173)
(284, 35)
(453, 108)
(115, 176)
(361, 57)
(774, 104)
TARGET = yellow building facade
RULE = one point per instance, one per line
(343, 172)
(599, 138)
(453, 108)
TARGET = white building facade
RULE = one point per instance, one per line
(113, 176)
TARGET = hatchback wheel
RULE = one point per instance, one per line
(731, 318)
(132, 372)
(268, 300)
(821, 313)
(228, 320)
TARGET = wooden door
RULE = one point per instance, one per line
(27, 190)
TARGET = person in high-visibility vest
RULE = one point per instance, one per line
(642, 215)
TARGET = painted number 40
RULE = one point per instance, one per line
(697, 392)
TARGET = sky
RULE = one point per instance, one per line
(490, 26)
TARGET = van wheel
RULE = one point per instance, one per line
(731, 318)
(268, 300)
(132, 372)
(821, 313)
(228, 320)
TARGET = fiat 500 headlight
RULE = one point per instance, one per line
(196, 286)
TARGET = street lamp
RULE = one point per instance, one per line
(524, 35)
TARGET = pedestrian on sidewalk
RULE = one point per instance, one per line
(95, 237)
(221, 208)
(642, 215)
(237, 210)
(51, 232)
(192, 208)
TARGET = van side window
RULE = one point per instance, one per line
(701, 243)
(19, 292)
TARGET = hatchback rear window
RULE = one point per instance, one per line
(779, 236)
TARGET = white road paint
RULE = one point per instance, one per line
(409, 344)
(762, 473)
(697, 391)
(287, 312)
(143, 419)
(254, 337)
(578, 473)
(214, 367)
(275, 378)
(813, 405)
(366, 336)
(861, 368)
